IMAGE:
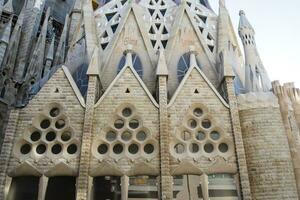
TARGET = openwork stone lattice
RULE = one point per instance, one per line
(49, 135)
(200, 136)
(125, 136)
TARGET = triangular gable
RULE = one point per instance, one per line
(136, 77)
(25, 169)
(106, 169)
(61, 169)
(61, 74)
(194, 69)
(142, 169)
(186, 168)
(129, 10)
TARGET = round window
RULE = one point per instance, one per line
(56, 149)
(25, 149)
(126, 136)
(111, 136)
(41, 148)
(54, 112)
(208, 148)
(66, 136)
(126, 112)
(223, 148)
(200, 135)
(141, 136)
(185, 135)
(194, 148)
(198, 112)
(149, 148)
(119, 124)
(102, 149)
(192, 123)
(72, 149)
(60, 124)
(206, 123)
(118, 149)
(50, 136)
(215, 135)
(133, 149)
(35, 136)
(179, 148)
(45, 124)
(134, 124)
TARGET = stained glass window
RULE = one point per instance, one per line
(136, 62)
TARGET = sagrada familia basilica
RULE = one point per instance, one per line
(140, 100)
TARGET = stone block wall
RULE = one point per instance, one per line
(267, 150)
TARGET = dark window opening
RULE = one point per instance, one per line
(107, 187)
(61, 188)
(24, 187)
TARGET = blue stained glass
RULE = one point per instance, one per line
(81, 78)
(136, 62)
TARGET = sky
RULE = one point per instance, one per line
(277, 28)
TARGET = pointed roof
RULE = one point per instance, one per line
(6, 33)
(186, 167)
(244, 23)
(61, 169)
(93, 68)
(25, 169)
(8, 7)
(162, 68)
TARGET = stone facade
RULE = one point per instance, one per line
(141, 100)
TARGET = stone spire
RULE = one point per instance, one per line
(94, 64)
(4, 41)
(162, 68)
(61, 49)
(75, 18)
(256, 77)
(37, 59)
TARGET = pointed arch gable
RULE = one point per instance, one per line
(195, 70)
(25, 169)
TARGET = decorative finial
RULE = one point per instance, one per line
(242, 12)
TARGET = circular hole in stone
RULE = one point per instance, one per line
(35, 136)
(111, 136)
(102, 149)
(141, 136)
(72, 149)
(54, 112)
(186, 135)
(25, 149)
(126, 136)
(118, 149)
(66, 136)
(198, 112)
(206, 123)
(223, 148)
(56, 149)
(194, 148)
(192, 123)
(149, 148)
(60, 124)
(208, 148)
(134, 124)
(126, 112)
(200, 136)
(41, 148)
(179, 148)
(133, 149)
(50, 136)
(215, 135)
(45, 124)
(119, 124)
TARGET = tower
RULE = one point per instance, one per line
(256, 77)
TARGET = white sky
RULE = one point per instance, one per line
(277, 27)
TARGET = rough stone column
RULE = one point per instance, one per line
(43, 187)
(204, 187)
(290, 125)
(124, 187)
(238, 140)
(83, 177)
(166, 178)
(7, 148)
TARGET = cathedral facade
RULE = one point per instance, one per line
(140, 99)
